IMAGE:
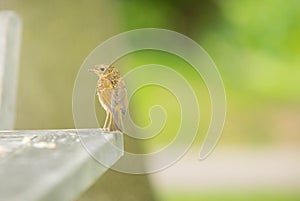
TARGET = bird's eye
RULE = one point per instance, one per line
(102, 69)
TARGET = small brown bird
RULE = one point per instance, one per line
(112, 94)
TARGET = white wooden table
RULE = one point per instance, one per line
(53, 164)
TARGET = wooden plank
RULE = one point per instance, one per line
(53, 164)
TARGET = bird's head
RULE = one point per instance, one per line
(99, 69)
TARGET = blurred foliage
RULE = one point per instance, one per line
(256, 48)
(188, 17)
(152, 95)
(254, 44)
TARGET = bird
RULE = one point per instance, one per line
(112, 95)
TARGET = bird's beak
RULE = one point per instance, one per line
(91, 70)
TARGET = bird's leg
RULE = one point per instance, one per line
(110, 120)
(105, 123)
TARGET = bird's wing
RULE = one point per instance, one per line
(119, 104)
(119, 98)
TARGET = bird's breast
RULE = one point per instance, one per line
(101, 100)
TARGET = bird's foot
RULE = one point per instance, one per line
(105, 129)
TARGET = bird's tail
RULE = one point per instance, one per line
(117, 123)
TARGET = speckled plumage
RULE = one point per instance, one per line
(112, 94)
